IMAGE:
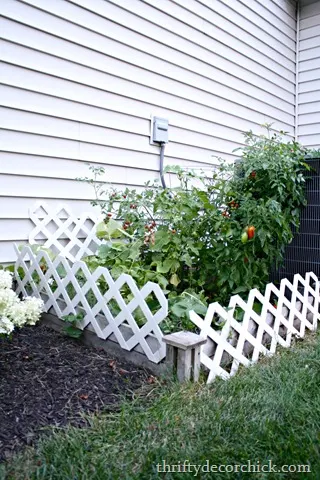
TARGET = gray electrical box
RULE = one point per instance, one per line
(159, 130)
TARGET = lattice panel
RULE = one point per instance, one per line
(67, 288)
(63, 232)
(242, 343)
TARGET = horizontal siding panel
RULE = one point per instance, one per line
(283, 9)
(310, 118)
(22, 165)
(18, 207)
(17, 231)
(44, 167)
(209, 29)
(81, 132)
(33, 146)
(50, 65)
(309, 10)
(277, 17)
(312, 141)
(232, 18)
(181, 113)
(309, 32)
(311, 21)
(310, 97)
(313, 107)
(12, 141)
(310, 129)
(57, 127)
(309, 75)
(132, 53)
(7, 253)
(62, 189)
(202, 45)
(64, 129)
(309, 64)
(183, 85)
(18, 99)
(311, 53)
(309, 86)
(308, 43)
(253, 18)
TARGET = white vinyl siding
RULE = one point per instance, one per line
(80, 79)
(309, 76)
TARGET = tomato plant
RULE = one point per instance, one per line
(204, 241)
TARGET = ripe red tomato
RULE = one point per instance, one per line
(251, 231)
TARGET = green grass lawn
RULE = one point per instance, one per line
(269, 412)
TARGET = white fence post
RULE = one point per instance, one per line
(183, 354)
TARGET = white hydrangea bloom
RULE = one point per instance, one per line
(8, 298)
(14, 312)
(5, 279)
(32, 308)
(17, 314)
(6, 326)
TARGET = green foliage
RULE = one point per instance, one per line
(192, 240)
(72, 323)
(313, 153)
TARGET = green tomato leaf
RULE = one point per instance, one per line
(104, 250)
(73, 332)
(175, 280)
(166, 266)
(101, 230)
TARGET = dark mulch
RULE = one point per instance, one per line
(49, 379)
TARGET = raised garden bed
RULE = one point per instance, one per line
(126, 323)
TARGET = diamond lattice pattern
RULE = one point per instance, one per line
(279, 320)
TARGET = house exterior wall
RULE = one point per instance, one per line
(309, 75)
(79, 80)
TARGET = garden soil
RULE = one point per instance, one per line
(48, 379)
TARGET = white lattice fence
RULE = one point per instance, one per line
(242, 343)
(73, 288)
(115, 309)
(120, 311)
(63, 232)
